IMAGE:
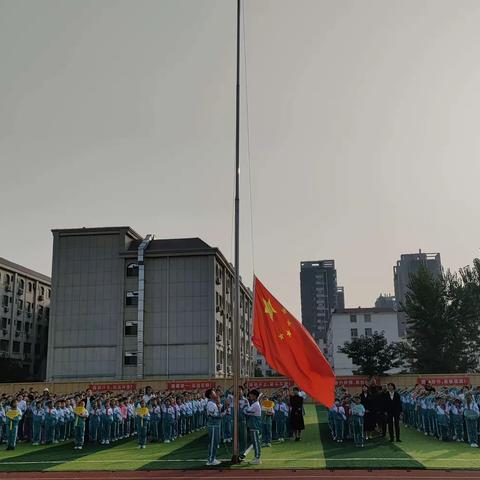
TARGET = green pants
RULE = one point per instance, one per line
(79, 434)
(242, 435)
(12, 429)
(142, 430)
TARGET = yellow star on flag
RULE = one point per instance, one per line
(269, 310)
(289, 333)
(281, 336)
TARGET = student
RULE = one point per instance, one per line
(81, 415)
(14, 416)
(168, 421)
(38, 421)
(443, 420)
(254, 423)
(50, 423)
(457, 420)
(155, 416)
(143, 419)
(60, 426)
(95, 421)
(358, 413)
(471, 414)
(214, 420)
(107, 422)
(242, 420)
(339, 419)
(268, 411)
(3, 421)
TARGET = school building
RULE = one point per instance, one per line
(126, 306)
(351, 323)
(24, 317)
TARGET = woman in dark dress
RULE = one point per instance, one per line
(296, 414)
(369, 418)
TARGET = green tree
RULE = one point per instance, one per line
(373, 355)
(443, 315)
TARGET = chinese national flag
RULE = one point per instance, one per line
(289, 349)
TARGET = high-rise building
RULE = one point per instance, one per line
(127, 306)
(385, 300)
(320, 294)
(24, 317)
(409, 264)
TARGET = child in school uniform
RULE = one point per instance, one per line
(50, 423)
(268, 411)
(281, 415)
(3, 422)
(38, 421)
(95, 421)
(169, 420)
(155, 416)
(143, 419)
(339, 419)
(471, 414)
(357, 413)
(107, 423)
(14, 416)
(457, 420)
(81, 415)
(443, 420)
(214, 419)
(117, 420)
(254, 423)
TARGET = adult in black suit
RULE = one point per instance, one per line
(393, 408)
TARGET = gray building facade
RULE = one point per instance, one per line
(24, 319)
(319, 295)
(409, 264)
(126, 306)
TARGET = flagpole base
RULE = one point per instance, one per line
(235, 459)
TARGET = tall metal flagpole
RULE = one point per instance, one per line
(236, 317)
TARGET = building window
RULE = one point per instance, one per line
(130, 358)
(4, 345)
(49, 293)
(5, 301)
(20, 304)
(37, 349)
(4, 323)
(367, 318)
(353, 318)
(30, 286)
(368, 332)
(132, 270)
(27, 348)
(354, 332)
(42, 291)
(47, 313)
(21, 284)
(132, 298)
(131, 329)
(16, 347)
(29, 307)
(19, 326)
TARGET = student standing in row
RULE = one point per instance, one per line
(81, 415)
(254, 423)
(14, 415)
(214, 420)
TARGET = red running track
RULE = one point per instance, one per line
(249, 474)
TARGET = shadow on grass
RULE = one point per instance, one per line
(26, 458)
(377, 453)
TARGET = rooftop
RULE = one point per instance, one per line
(364, 310)
(15, 267)
(172, 245)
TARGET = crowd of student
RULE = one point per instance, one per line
(106, 418)
(449, 414)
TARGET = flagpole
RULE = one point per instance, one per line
(236, 317)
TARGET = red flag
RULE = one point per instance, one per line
(289, 349)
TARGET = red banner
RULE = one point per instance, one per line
(270, 383)
(353, 381)
(110, 387)
(446, 381)
(190, 385)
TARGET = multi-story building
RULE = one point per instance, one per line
(126, 306)
(352, 323)
(408, 265)
(385, 300)
(24, 318)
(320, 294)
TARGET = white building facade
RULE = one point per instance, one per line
(352, 323)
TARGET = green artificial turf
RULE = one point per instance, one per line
(315, 450)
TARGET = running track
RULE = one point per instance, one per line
(249, 474)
